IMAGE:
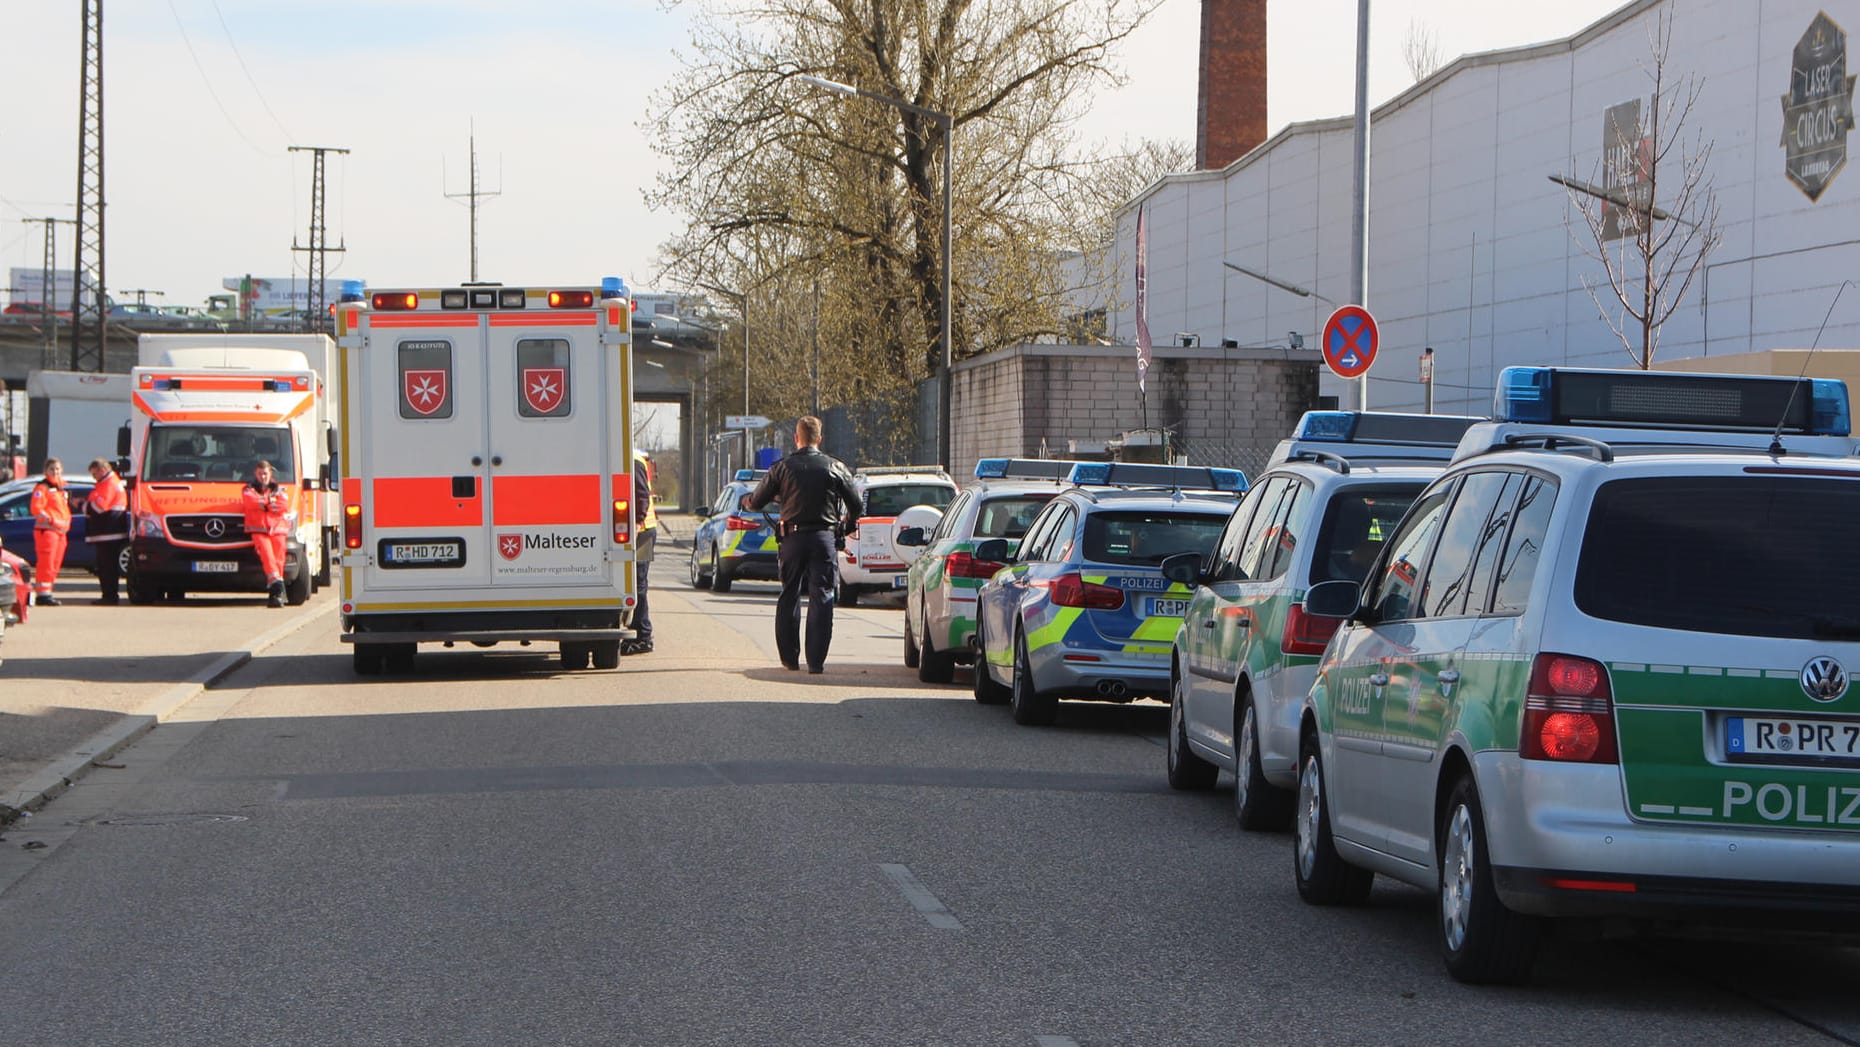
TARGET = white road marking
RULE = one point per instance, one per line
(920, 897)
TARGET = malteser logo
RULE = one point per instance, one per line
(510, 546)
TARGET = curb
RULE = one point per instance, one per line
(64, 771)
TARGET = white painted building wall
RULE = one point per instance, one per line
(1473, 250)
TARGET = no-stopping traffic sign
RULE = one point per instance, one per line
(1350, 339)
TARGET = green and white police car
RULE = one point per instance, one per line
(1247, 650)
(939, 604)
(1600, 672)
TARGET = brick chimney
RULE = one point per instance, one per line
(1230, 108)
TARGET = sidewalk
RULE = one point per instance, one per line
(80, 681)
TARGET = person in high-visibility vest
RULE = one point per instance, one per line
(266, 520)
(51, 526)
(106, 526)
(646, 519)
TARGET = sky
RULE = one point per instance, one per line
(203, 97)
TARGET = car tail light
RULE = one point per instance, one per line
(571, 299)
(1307, 633)
(963, 565)
(352, 526)
(1569, 712)
(623, 521)
(1071, 590)
(396, 300)
(741, 523)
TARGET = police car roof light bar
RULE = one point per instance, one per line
(1672, 400)
(1143, 474)
(745, 475)
(1414, 430)
(1024, 468)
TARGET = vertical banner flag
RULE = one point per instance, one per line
(1143, 300)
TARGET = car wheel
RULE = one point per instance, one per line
(1187, 771)
(368, 659)
(719, 578)
(605, 654)
(1482, 941)
(911, 652)
(123, 560)
(700, 578)
(298, 590)
(1324, 878)
(326, 561)
(575, 655)
(1258, 804)
(987, 691)
(933, 666)
(1030, 706)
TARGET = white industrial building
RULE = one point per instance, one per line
(1475, 252)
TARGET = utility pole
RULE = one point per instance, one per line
(319, 248)
(48, 290)
(89, 315)
(1359, 201)
(472, 203)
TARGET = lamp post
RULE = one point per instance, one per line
(948, 125)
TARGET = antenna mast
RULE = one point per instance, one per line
(318, 248)
(471, 199)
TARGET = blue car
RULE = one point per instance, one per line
(732, 542)
(1082, 609)
(16, 526)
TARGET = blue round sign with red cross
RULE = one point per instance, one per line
(1350, 339)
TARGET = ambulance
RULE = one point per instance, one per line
(487, 470)
(206, 408)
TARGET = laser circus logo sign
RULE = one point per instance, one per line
(1818, 111)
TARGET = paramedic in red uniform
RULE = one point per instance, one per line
(51, 524)
(265, 507)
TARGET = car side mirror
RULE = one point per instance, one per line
(122, 442)
(994, 550)
(1183, 568)
(913, 536)
(703, 510)
(1334, 599)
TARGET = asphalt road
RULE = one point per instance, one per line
(703, 848)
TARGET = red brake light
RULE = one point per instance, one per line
(352, 526)
(397, 301)
(741, 523)
(1569, 712)
(1307, 633)
(571, 299)
(1071, 590)
(964, 565)
(623, 521)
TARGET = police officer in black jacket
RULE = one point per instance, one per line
(819, 504)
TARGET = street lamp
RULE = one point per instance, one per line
(948, 125)
(1280, 284)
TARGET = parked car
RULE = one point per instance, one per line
(873, 560)
(1082, 609)
(1247, 649)
(16, 525)
(1599, 673)
(940, 587)
(732, 542)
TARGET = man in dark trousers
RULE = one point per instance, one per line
(819, 504)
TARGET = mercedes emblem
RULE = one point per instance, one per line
(1823, 679)
(216, 528)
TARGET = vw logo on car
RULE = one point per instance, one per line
(1824, 680)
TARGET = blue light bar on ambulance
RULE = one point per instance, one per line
(1142, 474)
(1024, 468)
(613, 287)
(1672, 400)
(1383, 427)
(353, 290)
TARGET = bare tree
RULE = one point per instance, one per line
(783, 184)
(1420, 51)
(1654, 218)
